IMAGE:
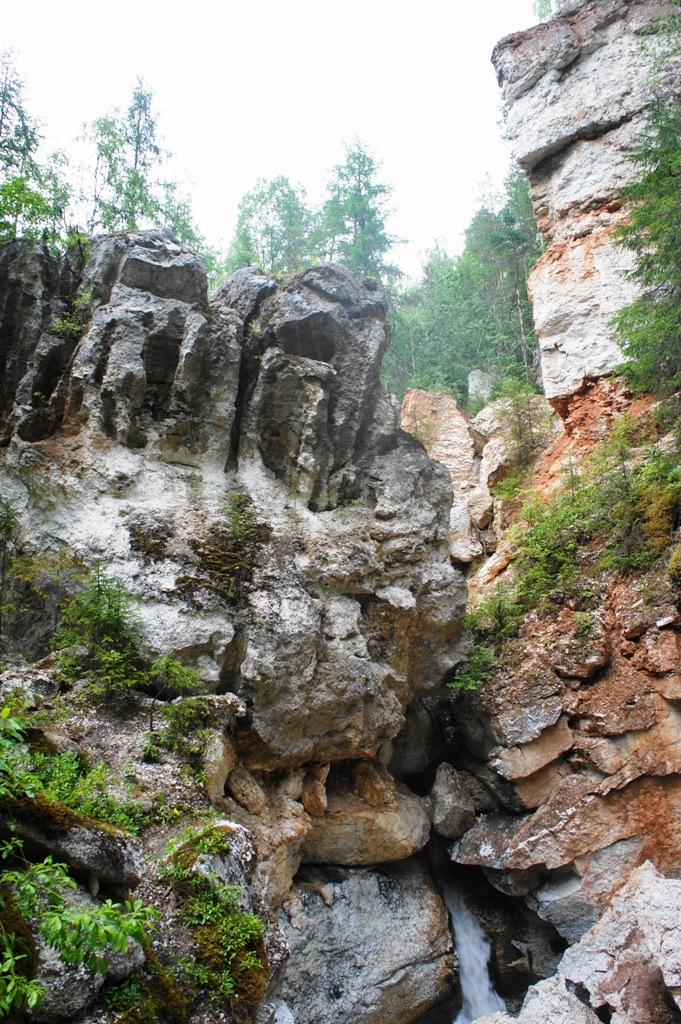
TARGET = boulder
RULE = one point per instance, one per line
(453, 806)
(360, 831)
(367, 946)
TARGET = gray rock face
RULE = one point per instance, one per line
(367, 947)
(29, 303)
(577, 89)
(627, 965)
(347, 610)
(453, 806)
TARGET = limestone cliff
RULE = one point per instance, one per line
(135, 415)
(577, 89)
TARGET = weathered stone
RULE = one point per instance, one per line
(29, 304)
(367, 947)
(573, 119)
(584, 656)
(436, 420)
(549, 1002)
(245, 790)
(453, 807)
(313, 796)
(354, 832)
(100, 851)
(525, 759)
(626, 966)
(636, 938)
(374, 785)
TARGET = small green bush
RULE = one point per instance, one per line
(476, 672)
(100, 617)
(37, 890)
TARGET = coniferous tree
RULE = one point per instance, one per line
(650, 328)
(471, 311)
(353, 219)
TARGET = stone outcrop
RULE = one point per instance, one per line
(279, 383)
(478, 451)
(138, 429)
(367, 946)
(578, 741)
(577, 90)
(627, 966)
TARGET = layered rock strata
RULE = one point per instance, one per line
(577, 89)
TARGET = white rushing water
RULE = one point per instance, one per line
(472, 947)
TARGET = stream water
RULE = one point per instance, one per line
(472, 946)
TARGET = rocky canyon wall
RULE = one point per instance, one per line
(577, 89)
(138, 419)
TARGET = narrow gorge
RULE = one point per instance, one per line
(258, 696)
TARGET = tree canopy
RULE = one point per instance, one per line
(277, 231)
(33, 197)
(649, 329)
(471, 311)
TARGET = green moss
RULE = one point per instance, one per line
(152, 995)
(226, 554)
(674, 566)
(229, 941)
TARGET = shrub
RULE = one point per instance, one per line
(477, 670)
(39, 891)
(100, 617)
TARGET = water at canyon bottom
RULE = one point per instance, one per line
(472, 947)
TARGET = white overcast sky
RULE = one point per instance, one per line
(247, 90)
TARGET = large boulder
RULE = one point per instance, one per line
(367, 946)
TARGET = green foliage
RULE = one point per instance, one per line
(17, 778)
(277, 231)
(48, 577)
(526, 428)
(274, 229)
(476, 672)
(185, 730)
(126, 192)
(621, 515)
(544, 8)
(38, 891)
(354, 216)
(68, 325)
(67, 779)
(100, 617)
(498, 616)
(471, 311)
(674, 567)
(170, 679)
(649, 329)
(33, 197)
(228, 939)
